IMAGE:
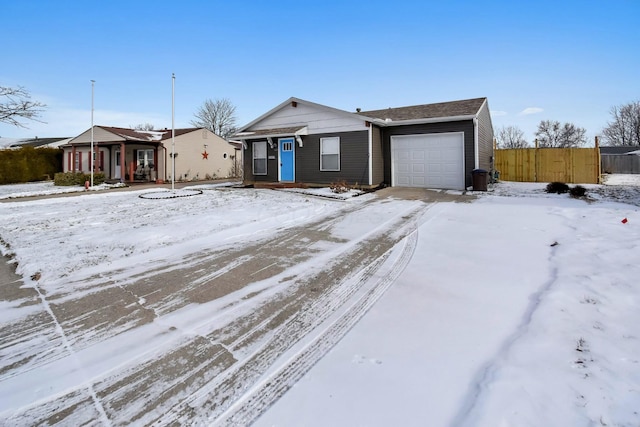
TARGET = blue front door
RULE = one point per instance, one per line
(286, 159)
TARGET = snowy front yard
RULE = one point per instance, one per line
(513, 312)
(518, 309)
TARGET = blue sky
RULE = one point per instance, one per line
(559, 60)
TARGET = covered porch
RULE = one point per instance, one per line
(119, 161)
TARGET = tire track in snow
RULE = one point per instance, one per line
(270, 389)
(219, 394)
(94, 397)
(118, 388)
(472, 402)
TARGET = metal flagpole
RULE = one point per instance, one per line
(173, 132)
(93, 156)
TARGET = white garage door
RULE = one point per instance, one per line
(429, 161)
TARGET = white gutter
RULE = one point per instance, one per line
(242, 141)
(385, 123)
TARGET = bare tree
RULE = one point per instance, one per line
(551, 134)
(219, 116)
(16, 104)
(144, 126)
(625, 127)
(511, 137)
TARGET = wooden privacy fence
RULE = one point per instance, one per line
(570, 165)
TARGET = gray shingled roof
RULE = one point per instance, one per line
(621, 150)
(466, 107)
(37, 142)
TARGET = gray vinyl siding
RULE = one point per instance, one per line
(465, 126)
(377, 157)
(485, 138)
(272, 164)
(354, 159)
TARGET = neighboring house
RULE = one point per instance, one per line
(5, 143)
(620, 159)
(431, 146)
(618, 150)
(136, 155)
(42, 142)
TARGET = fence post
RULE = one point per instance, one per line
(598, 161)
(535, 162)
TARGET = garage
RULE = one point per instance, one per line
(430, 161)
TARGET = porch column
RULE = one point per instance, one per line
(123, 169)
(154, 171)
(98, 162)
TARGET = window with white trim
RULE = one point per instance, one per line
(260, 158)
(145, 158)
(330, 154)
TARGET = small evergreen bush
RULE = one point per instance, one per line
(77, 178)
(557, 187)
(578, 191)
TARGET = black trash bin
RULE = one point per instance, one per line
(480, 178)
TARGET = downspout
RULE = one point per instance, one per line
(370, 154)
(476, 149)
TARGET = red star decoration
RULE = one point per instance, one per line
(205, 155)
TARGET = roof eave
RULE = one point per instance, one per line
(304, 130)
(387, 123)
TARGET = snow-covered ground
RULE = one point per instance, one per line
(514, 311)
(520, 308)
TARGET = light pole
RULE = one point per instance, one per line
(93, 157)
(173, 132)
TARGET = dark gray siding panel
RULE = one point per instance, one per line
(465, 126)
(354, 159)
(485, 138)
(377, 157)
(272, 164)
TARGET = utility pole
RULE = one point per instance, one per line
(173, 132)
(93, 156)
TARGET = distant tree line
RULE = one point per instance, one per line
(622, 130)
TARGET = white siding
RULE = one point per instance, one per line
(190, 163)
(317, 120)
(99, 135)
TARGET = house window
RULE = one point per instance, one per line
(78, 161)
(260, 158)
(330, 154)
(145, 158)
(92, 160)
